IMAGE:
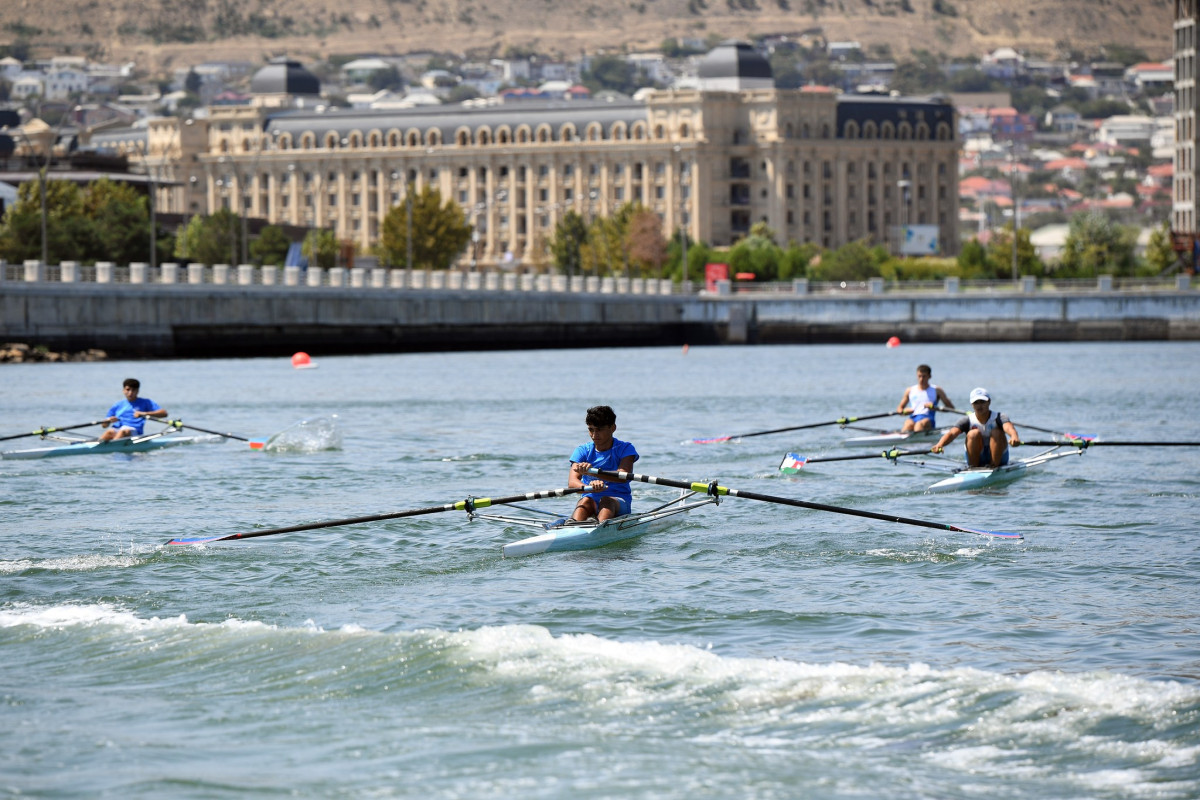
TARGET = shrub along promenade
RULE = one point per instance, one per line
(194, 310)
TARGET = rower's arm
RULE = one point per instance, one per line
(1014, 438)
(903, 403)
(947, 437)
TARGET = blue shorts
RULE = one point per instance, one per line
(985, 458)
(623, 502)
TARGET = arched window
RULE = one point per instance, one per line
(639, 131)
(395, 139)
(804, 131)
(374, 139)
(851, 130)
(504, 135)
(483, 137)
(943, 132)
(825, 131)
(355, 139)
(331, 140)
(922, 132)
(617, 131)
(285, 141)
(594, 132)
(788, 131)
(523, 135)
(544, 133)
(888, 131)
(684, 131)
(905, 131)
(414, 138)
(870, 130)
(566, 133)
(308, 141)
(433, 138)
(659, 133)
(462, 137)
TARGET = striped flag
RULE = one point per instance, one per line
(792, 463)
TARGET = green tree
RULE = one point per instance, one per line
(1160, 254)
(122, 221)
(440, 231)
(215, 239)
(570, 237)
(973, 260)
(794, 261)
(1095, 245)
(999, 258)
(610, 72)
(757, 253)
(853, 261)
(69, 233)
(321, 248)
(271, 246)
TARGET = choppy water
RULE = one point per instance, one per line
(753, 650)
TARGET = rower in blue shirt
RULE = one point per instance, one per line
(128, 417)
(611, 497)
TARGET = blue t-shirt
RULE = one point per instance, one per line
(123, 411)
(609, 459)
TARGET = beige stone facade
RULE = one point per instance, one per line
(1183, 209)
(814, 167)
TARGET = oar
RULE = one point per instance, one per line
(44, 431)
(1067, 434)
(716, 490)
(793, 462)
(838, 421)
(1086, 443)
(179, 425)
(470, 504)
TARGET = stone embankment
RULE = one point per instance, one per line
(19, 353)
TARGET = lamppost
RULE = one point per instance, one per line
(143, 149)
(683, 232)
(1012, 186)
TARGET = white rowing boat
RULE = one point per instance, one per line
(559, 534)
(896, 439)
(83, 447)
(975, 478)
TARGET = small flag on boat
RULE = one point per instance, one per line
(792, 464)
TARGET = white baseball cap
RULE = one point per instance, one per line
(980, 393)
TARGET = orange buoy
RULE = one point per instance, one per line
(685, 349)
(302, 361)
(894, 341)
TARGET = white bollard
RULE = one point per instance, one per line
(35, 271)
(396, 280)
(358, 277)
(195, 273)
(137, 272)
(270, 274)
(68, 271)
(291, 276)
(104, 272)
(168, 273)
(337, 276)
(245, 273)
(220, 274)
(315, 276)
(379, 277)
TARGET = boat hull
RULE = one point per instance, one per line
(562, 538)
(970, 479)
(896, 439)
(126, 445)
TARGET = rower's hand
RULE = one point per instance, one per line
(937, 448)
(597, 486)
(1014, 441)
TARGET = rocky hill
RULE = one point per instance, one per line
(159, 34)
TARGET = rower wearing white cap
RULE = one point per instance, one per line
(986, 431)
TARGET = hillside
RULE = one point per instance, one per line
(159, 34)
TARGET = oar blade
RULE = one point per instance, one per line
(711, 440)
(792, 464)
(988, 534)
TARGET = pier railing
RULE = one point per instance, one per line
(106, 274)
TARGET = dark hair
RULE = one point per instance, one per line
(601, 416)
(132, 383)
(924, 368)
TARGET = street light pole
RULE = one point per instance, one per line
(1012, 186)
(683, 233)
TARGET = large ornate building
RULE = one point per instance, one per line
(814, 166)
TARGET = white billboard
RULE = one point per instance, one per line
(919, 240)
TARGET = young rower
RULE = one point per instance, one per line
(128, 417)
(604, 499)
(920, 400)
(986, 430)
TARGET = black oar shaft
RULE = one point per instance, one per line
(462, 505)
(176, 423)
(715, 489)
(838, 421)
(888, 454)
(1087, 443)
(44, 431)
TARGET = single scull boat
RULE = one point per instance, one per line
(83, 447)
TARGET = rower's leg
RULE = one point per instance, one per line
(584, 509)
(922, 424)
(609, 508)
(974, 447)
(997, 447)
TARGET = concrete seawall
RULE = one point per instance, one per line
(184, 321)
